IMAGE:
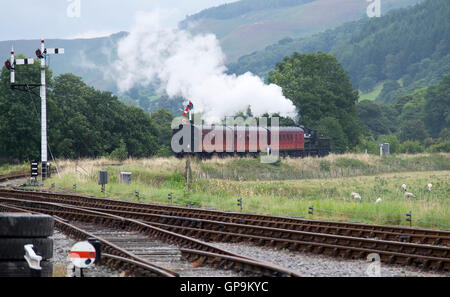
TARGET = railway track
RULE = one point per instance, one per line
(393, 252)
(13, 176)
(134, 235)
(390, 233)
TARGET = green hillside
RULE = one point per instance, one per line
(406, 49)
(82, 57)
(250, 25)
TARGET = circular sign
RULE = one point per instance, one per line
(82, 254)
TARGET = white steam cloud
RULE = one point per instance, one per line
(192, 66)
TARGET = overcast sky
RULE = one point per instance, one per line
(34, 19)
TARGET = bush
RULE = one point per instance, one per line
(164, 151)
(350, 163)
(443, 147)
(394, 144)
(411, 147)
(367, 144)
(325, 165)
(120, 153)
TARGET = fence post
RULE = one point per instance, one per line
(409, 218)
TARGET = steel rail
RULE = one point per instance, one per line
(132, 224)
(421, 236)
(118, 257)
(429, 257)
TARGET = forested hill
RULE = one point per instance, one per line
(404, 50)
(250, 25)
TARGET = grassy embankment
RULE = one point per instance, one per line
(287, 188)
(7, 168)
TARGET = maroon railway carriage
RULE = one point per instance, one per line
(245, 140)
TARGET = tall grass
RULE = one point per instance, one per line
(332, 166)
(7, 168)
(327, 193)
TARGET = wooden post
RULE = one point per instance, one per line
(188, 172)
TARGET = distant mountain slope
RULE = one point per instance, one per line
(82, 57)
(250, 25)
(406, 49)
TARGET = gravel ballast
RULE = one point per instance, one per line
(323, 266)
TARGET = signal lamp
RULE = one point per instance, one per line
(8, 65)
(39, 54)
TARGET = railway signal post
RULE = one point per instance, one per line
(42, 54)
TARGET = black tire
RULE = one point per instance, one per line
(13, 248)
(25, 225)
(21, 269)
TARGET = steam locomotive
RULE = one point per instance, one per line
(206, 141)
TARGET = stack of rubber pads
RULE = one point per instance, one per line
(18, 230)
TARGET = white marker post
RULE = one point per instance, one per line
(13, 76)
(42, 55)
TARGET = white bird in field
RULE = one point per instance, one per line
(378, 200)
(404, 187)
(410, 195)
(429, 187)
(355, 196)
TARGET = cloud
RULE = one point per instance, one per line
(191, 66)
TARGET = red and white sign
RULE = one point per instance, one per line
(82, 254)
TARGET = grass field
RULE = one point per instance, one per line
(371, 95)
(7, 168)
(154, 179)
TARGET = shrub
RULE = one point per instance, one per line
(394, 144)
(350, 163)
(443, 147)
(325, 165)
(411, 147)
(120, 153)
(367, 144)
(164, 151)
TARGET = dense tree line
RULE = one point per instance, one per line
(82, 121)
(420, 120)
(321, 90)
(406, 49)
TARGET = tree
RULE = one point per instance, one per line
(394, 144)
(413, 130)
(389, 91)
(82, 121)
(319, 87)
(331, 127)
(163, 120)
(20, 113)
(120, 153)
(437, 107)
(377, 117)
(411, 147)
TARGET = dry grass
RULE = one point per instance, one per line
(155, 178)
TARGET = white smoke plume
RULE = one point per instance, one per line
(192, 66)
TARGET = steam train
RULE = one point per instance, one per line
(206, 141)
